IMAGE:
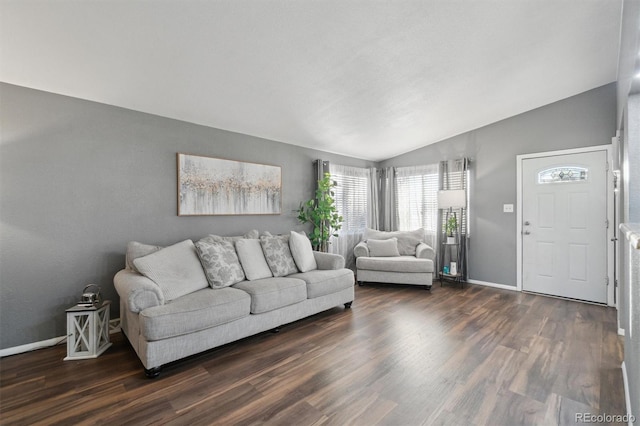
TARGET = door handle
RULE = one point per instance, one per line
(526, 232)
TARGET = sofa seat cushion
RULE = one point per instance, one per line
(395, 264)
(268, 294)
(323, 282)
(196, 311)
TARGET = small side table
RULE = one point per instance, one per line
(457, 278)
(87, 331)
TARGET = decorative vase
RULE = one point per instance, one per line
(451, 240)
(453, 268)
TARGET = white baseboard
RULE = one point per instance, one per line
(32, 346)
(114, 327)
(620, 329)
(487, 284)
(627, 398)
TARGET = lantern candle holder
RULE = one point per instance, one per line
(87, 331)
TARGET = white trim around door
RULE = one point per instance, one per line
(610, 211)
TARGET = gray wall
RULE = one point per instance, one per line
(583, 120)
(78, 180)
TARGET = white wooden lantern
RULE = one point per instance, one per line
(87, 331)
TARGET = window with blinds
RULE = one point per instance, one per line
(417, 198)
(350, 196)
(455, 176)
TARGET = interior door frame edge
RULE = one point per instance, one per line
(610, 231)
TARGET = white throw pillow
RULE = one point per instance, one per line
(407, 240)
(136, 250)
(383, 248)
(252, 259)
(302, 252)
(176, 269)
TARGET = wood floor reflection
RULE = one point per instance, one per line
(400, 356)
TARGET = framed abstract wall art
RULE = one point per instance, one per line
(215, 186)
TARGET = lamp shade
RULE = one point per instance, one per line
(454, 198)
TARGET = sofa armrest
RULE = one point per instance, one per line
(137, 291)
(361, 250)
(328, 260)
(424, 251)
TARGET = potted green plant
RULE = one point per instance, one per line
(322, 213)
(451, 227)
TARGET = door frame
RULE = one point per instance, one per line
(610, 217)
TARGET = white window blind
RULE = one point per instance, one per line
(456, 176)
(351, 196)
(417, 199)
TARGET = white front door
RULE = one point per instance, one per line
(564, 225)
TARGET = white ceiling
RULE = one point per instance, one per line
(369, 79)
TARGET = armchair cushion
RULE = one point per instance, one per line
(404, 264)
(407, 240)
(383, 248)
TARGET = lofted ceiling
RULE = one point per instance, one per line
(368, 79)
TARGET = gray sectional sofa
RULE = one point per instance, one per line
(190, 297)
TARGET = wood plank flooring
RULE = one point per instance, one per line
(400, 356)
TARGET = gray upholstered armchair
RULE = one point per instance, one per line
(400, 257)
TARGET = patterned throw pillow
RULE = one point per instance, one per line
(276, 251)
(220, 262)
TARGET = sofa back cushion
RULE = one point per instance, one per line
(136, 250)
(383, 248)
(278, 255)
(220, 262)
(176, 269)
(214, 238)
(302, 252)
(252, 259)
(407, 240)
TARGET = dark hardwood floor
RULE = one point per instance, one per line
(400, 356)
